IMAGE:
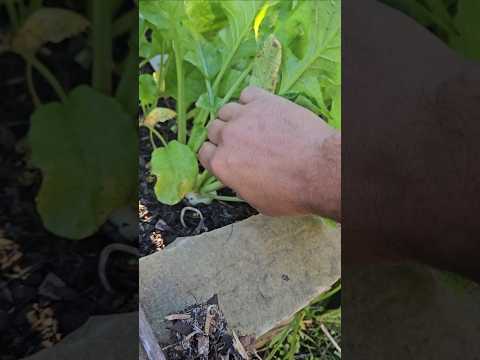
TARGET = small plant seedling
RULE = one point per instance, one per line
(206, 52)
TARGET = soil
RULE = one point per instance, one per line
(160, 224)
(49, 286)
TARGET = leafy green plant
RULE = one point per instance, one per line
(304, 334)
(84, 144)
(206, 52)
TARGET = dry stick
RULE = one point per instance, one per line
(330, 337)
(147, 338)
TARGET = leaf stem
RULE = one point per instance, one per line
(31, 86)
(47, 74)
(12, 14)
(181, 111)
(208, 188)
(201, 179)
(102, 45)
(157, 134)
(227, 198)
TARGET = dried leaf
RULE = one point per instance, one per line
(159, 115)
(48, 25)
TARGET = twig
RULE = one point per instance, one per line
(330, 337)
(147, 337)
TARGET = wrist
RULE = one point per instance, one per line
(323, 195)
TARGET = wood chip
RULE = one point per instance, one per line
(174, 317)
(211, 311)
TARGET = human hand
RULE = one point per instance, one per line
(278, 156)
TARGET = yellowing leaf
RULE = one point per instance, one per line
(48, 25)
(159, 115)
(267, 64)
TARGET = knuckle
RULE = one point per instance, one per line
(225, 109)
(227, 133)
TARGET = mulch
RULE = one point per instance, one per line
(201, 332)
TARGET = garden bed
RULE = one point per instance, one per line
(161, 224)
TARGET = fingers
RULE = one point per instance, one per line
(229, 111)
(215, 131)
(252, 93)
(206, 153)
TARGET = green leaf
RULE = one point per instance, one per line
(194, 84)
(87, 151)
(147, 90)
(176, 169)
(468, 25)
(203, 102)
(313, 35)
(204, 16)
(205, 57)
(241, 15)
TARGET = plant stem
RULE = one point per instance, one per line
(152, 141)
(102, 45)
(201, 179)
(157, 134)
(31, 86)
(208, 188)
(46, 73)
(12, 14)
(124, 23)
(129, 80)
(181, 111)
(192, 113)
(227, 63)
(237, 83)
(227, 198)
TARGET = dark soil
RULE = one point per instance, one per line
(49, 286)
(160, 224)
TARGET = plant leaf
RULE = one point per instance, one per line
(147, 90)
(319, 22)
(176, 169)
(87, 151)
(158, 115)
(266, 66)
(203, 102)
(468, 25)
(48, 25)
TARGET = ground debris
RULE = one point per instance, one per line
(201, 332)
